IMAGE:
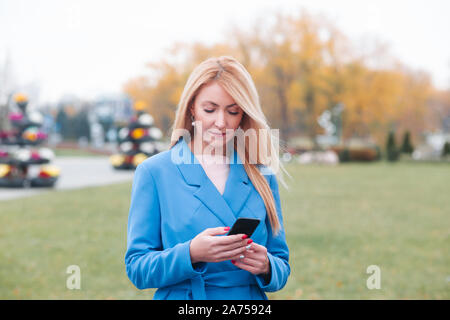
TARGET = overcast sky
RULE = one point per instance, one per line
(92, 47)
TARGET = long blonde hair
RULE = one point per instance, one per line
(235, 79)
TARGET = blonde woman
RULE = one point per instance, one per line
(221, 166)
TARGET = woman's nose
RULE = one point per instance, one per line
(220, 120)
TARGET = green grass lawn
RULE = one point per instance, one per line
(339, 220)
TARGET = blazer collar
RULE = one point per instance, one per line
(237, 189)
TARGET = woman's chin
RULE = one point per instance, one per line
(215, 141)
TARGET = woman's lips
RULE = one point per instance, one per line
(218, 134)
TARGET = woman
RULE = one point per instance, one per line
(185, 199)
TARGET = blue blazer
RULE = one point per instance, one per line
(173, 200)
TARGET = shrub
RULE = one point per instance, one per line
(356, 154)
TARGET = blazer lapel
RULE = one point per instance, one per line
(227, 206)
(237, 188)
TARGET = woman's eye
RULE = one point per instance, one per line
(211, 111)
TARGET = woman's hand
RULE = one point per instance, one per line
(207, 247)
(255, 260)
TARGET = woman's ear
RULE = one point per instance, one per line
(191, 106)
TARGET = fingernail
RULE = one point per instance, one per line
(227, 228)
(244, 236)
(233, 262)
(249, 241)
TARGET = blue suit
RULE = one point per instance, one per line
(172, 201)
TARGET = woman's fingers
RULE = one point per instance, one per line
(244, 254)
(226, 247)
(236, 249)
(253, 260)
(258, 248)
(216, 231)
(210, 246)
(238, 244)
(228, 255)
(229, 240)
(247, 264)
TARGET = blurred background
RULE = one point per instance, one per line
(360, 92)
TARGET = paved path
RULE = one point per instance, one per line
(76, 172)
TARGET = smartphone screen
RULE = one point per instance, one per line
(244, 225)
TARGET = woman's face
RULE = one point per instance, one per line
(218, 113)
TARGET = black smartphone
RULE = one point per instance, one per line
(244, 225)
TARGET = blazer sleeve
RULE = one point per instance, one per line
(147, 264)
(277, 250)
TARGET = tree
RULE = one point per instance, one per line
(406, 145)
(446, 149)
(302, 65)
(62, 122)
(81, 125)
(391, 148)
(289, 61)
